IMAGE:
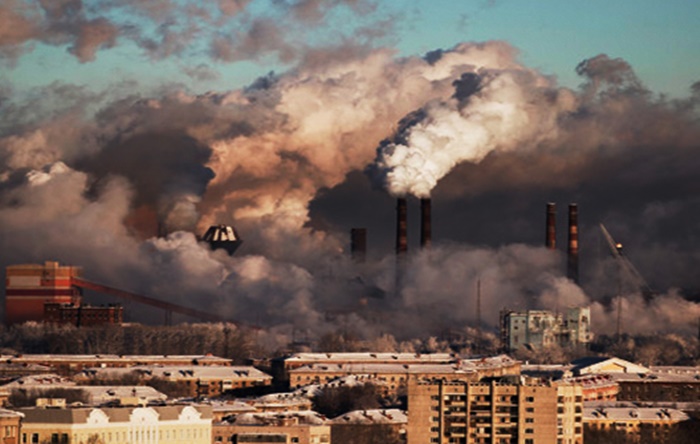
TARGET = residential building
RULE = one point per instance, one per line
(199, 381)
(294, 427)
(377, 422)
(282, 367)
(393, 377)
(176, 424)
(640, 424)
(70, 364)
(505, 410)
(10, 426)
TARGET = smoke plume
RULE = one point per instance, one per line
(87, 177)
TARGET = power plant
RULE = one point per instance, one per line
(54, 293)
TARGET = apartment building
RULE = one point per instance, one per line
(201, 381)
(293, 427)
(393, 377)
(281, 367)
(502, 410)
(9, 426)
(640, 424)
(69, 364)
(175, 424)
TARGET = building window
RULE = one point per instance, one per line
(529, 431)
(35, 438)
(530, 409)
(530, 399)
(529, 420)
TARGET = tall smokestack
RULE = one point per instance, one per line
(551, 234)
(425, 223)
(358, 244)
(401, 227)
(572, 256)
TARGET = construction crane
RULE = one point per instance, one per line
(628, 275)
(633, 278)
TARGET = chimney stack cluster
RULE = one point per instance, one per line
(402, 225)
(572, 246)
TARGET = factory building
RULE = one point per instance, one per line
(535, 329)
(505, 410)
(48, 293)
(29, 287)
(83, 315)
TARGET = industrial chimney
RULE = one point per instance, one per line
(401, 227)
(551, 234)
(572, 256)
(425, 223)
(358, 244)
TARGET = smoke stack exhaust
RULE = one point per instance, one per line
(358, 244)
(401, 227)
(551, 234)
(425, 223)
(572, 256)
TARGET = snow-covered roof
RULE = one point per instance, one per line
(591, 414)
(382, 368)
(372, 357)
(110, 358)
(47, 380)
(377, 416)
(591, 365)
(307, 417)
(184, 372)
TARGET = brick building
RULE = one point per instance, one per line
(506, 410)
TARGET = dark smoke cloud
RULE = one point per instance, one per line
(282, 160)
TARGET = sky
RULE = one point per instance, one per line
(296, 120)
(158, 41)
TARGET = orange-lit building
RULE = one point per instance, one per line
(46, 293)
(29, 287)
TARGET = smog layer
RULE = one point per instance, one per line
(297, 158)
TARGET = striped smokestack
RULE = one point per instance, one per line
(572, 256)
(401, 227)
(358, 244)
(551, 234)
(425, 223)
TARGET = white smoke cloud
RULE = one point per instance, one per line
(258, 157)
(499, 109)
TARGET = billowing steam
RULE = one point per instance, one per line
(87, 179)
(494, 107)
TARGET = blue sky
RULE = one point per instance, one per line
(659, 39)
